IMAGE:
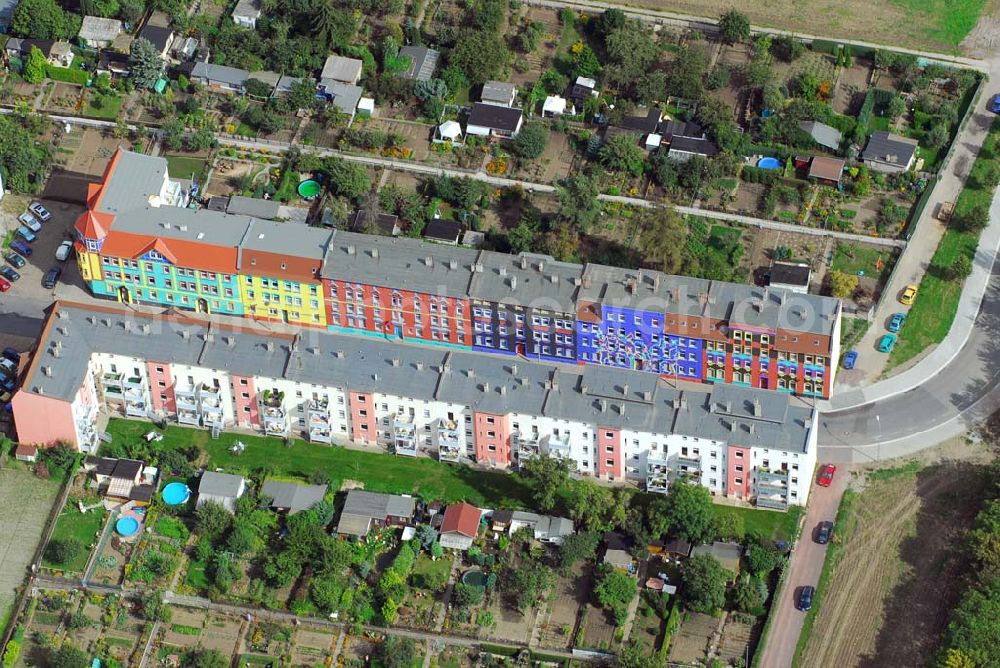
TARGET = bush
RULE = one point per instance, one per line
(68, 74)
(63, 550)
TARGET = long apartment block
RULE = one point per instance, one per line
(139, 242)
(93, 362)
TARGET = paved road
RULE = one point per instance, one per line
(803, 569)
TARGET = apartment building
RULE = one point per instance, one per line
(614, 424)
(139, 243)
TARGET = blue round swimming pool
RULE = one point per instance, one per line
(175, 494)
(127, 526)
(769, 163)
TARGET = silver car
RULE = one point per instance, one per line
(40, 212)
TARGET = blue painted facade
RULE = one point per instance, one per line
(519, 330)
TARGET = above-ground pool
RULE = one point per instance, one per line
(127, 525)
(309, 189)
(769, 163)
(175, 494)
(474, 579)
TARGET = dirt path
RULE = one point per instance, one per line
(903, 533)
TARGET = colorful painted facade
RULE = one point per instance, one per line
(140, 243)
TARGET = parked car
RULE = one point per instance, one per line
(11, 354)
(896, 322)
(40, 212)
(908, 294)
(29, 221)
(805, 598)
(4, 285)
(850, 359)
(26, 234)
(51, 278)
(21, 247)
(64, 250)
(823, 532)
(887, 343)
(7, 367)
(9, 273)
(8, 383)
(826, 475)
(994, 104)
(15, 260)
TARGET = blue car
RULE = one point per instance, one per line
(26, 234)
(850, 359)
(21, 247)
(896, 322)
(886, 343)
(994, 104)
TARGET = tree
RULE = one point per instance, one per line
(212, 521)
(201, 139)
(35, 66)
(145, 63)
(960, 268)
(579, 546)
(153, 607)
(634, 655)
(786, 48)
(347, 179)
(704, 583)
(465, 595)
(63, 550)
(973, 632)
(431, 88)
(896, 106)
(762, 558)
(332, 27)
(974, 219)
(842, 284)
(750, 594)
(988, 176)
(734, 26)
(39, 19)
(609, 21)
(282, 567)
(426, 535)
(686, 75)
(578, 203)
(302, 94)
(398, 652)
(68, 656)
(621, 153)
(662, 239)
(204, 658)
(481, 55)
(257, 88)
(614, 591)
(690, 510)
(521, 238)
(531, 140)
(596, 507)
(632, 53)
(728, 526)
(527, 582)
(545, 476)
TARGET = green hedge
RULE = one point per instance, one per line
(67, 74)
(918, 210)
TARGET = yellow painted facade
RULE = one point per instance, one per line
(90, 266)
(283, 300)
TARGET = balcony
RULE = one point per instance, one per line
(318, 413)
(525, 446)
(209, 396)
(449, 441)
(189, 416)
(134, 383)
(658, 476)
(212, 416)
(688, 463)
(404, 436)
(136, 407)
(772, 502)
(112, 385)
(320, 434)
(772, 482)
(556, 445)
(187, 400)
(274, 417)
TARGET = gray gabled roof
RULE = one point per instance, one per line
(225, 485)
(343, 96)
(423, 62)
(377, 505)
(99, 29)
(527, 279)
(249, 8)
(823, 134)
(239, 205)
(292, 495)
(889, 148)
(339, 68)
(220, 74)
(498, 92)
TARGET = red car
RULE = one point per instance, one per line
(4, 285)
(826, 475)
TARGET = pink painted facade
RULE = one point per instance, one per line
(245, 396)
(738, 472)
(42, 420)
(161, 388)
(491, 437)
(609, 453)
(364, 425)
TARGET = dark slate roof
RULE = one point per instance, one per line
(386, 223)
(127, 469)
(252, 206)
(443, 230)
(495, 117)
(423, 62)
(787, 273)
(158, 35)
(644, 124)
(102, 465)
(672, 129)
(142, 493)
(890, 148)
(693, 145)
(23, 46)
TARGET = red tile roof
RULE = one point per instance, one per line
(183, 253)
(273, 265)
(94, 224)
(462, 518)
(25, 450)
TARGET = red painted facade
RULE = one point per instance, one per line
(161, 385)
(738, 471)
(491, 437)
(245, 397)
(609, 453)
(364, 425)
(398, 313)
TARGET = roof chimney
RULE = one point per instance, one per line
(486, 387)
(144, 327)
(513, 283)
(185, 334)
(470, 373)
(625, 390)
(429, 261)
(503, 390)
(420, 366)
(647, 395)
(375, 253)
(231, 341)
(604, 405)
(452, 264)
(513, 369)
(541, 266)
(503, 270)
(586, 282)
(339, 354)
(47, 370)
(209, 337)
(269, 346)
(395, 361)
(350, 249)
(554, 278)
(524, 262)
(756, 407)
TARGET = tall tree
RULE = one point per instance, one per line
(690, 510)
(481, 55)
(332, 27)
(578, 203)
(734, 26)
(614, 591)
(398, 652)
(34, 66)
(621, 153)
(546, 476)
(39, 19)
(662, 239)
(531, 140)
(145, 63)
(704, 583)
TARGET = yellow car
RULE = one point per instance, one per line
(908, 295)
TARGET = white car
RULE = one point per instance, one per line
(29, 221)
(40, 212)
(64, 250)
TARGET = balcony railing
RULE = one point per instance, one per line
(689, 462)
(526, 445)
(556, 446)
(404, 436)
(320, 434)
(318, 412)
(449, 441)
(274, 424)
(112, 383)
(774, 503)
(134, 383)
(187, 399)
(188, 416)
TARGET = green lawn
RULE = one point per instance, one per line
(183, 166)
(947, 21)
(196, 578)
(852, 258)
(932, 313)
(767, 523)
(82, 526)
(379, 472)
(424, 565)
(108, 107)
